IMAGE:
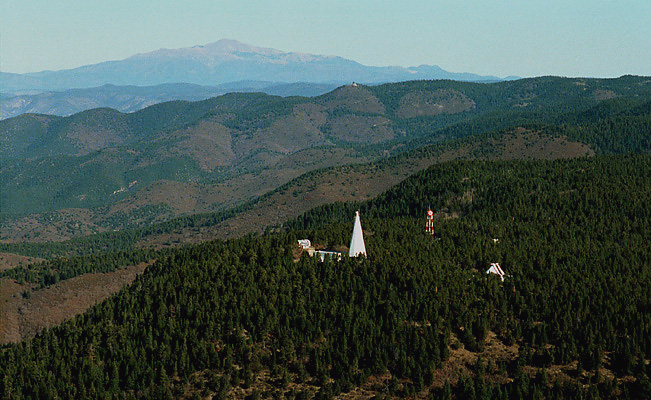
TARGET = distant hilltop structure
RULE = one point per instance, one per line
(357, 246)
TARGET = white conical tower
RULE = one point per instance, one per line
(357, 246)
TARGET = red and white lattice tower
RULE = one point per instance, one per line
(429, 227)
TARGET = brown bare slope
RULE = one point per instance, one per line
(8, 260)
(23, 317)
(171, 199)
(429, 103)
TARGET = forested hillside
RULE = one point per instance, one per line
(104, 170)
(617, 126)
(244, 318)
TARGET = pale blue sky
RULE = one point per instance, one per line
(596, 38)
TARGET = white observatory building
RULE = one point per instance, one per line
(357, 246)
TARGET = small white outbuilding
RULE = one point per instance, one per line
(496, 269)
(304, 243)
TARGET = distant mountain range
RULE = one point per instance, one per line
(220, 67)
(223, 62)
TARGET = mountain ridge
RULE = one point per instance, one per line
(218, 63)
(224, 151)
(133, 98)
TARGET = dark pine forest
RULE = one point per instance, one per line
(208, 320)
